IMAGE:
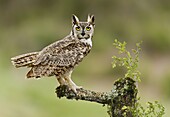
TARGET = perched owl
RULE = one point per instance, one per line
(59, 58)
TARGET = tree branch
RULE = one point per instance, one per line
(82, 94)
(122, 95)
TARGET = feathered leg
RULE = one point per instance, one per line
(70, 83)
(61, 80)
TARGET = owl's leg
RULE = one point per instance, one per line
(70, 83)
(61, 80)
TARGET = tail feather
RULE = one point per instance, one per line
(30, 74)
(24, 59)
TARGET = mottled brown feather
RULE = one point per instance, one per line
(57, 61)
(60, 57)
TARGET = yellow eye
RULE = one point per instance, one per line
(78, 28)
(88, 28)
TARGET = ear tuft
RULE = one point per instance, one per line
(75, 19)
(90, 19)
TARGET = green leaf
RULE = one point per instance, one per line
(127, 61)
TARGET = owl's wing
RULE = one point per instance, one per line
(65, 55)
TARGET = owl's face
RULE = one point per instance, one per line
(83, 30)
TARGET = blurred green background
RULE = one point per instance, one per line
(30, 25)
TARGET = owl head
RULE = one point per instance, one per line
(83, 30)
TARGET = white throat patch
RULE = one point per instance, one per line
(87, 41)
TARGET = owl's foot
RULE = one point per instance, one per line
(71, 84)
(79, 87)
(74, 87)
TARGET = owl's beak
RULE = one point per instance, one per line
(83, 33)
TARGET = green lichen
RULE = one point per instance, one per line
(123, 95)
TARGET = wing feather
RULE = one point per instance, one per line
(60, 54)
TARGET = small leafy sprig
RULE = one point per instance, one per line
(153, 109)
(127, 61)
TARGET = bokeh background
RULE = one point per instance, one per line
(30, 25)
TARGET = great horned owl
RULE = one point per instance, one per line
(59, 58)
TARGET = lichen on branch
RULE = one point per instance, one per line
(123, 94)
(82, 94)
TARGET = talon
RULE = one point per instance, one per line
(74, 88)
(79, 87)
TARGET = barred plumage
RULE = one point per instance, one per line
(60, 58)
(24, 59)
